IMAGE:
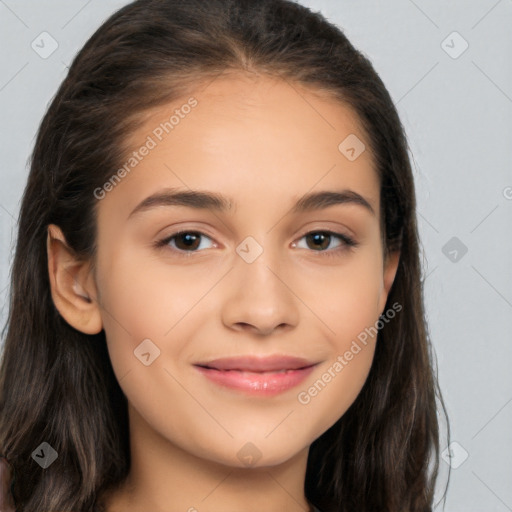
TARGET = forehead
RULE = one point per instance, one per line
(259, 140)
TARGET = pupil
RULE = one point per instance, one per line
(188, 239)
(319, 237)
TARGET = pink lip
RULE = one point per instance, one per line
(255, 375)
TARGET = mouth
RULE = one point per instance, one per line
(257, 375)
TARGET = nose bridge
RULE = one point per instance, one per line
(258, 263)
(259, 294)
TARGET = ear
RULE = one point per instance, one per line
(72, 285)
(390, 267)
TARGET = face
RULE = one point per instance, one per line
(234, 340)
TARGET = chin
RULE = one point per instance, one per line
(261, 454)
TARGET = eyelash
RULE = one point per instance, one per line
(348, 243)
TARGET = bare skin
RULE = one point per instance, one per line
(264, 144)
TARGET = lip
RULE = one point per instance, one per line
(257, 375)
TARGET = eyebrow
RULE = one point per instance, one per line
(204, 200)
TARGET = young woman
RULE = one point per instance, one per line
(216, 298)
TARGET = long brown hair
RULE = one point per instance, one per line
(57, 384)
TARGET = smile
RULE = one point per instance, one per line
(258, 376)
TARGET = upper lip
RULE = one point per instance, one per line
(257, 364)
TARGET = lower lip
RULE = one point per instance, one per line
(258, 383)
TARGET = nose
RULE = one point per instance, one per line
(259, 296)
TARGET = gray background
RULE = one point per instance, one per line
(457, 110)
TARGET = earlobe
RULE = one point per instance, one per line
(72, 285)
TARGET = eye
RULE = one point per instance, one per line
(184, 241)
(320, 241)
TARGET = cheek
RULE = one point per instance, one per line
(335, 387)
(348, 306)
(135, 304)
(148, 305)
(144, 298)
(347, 298)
